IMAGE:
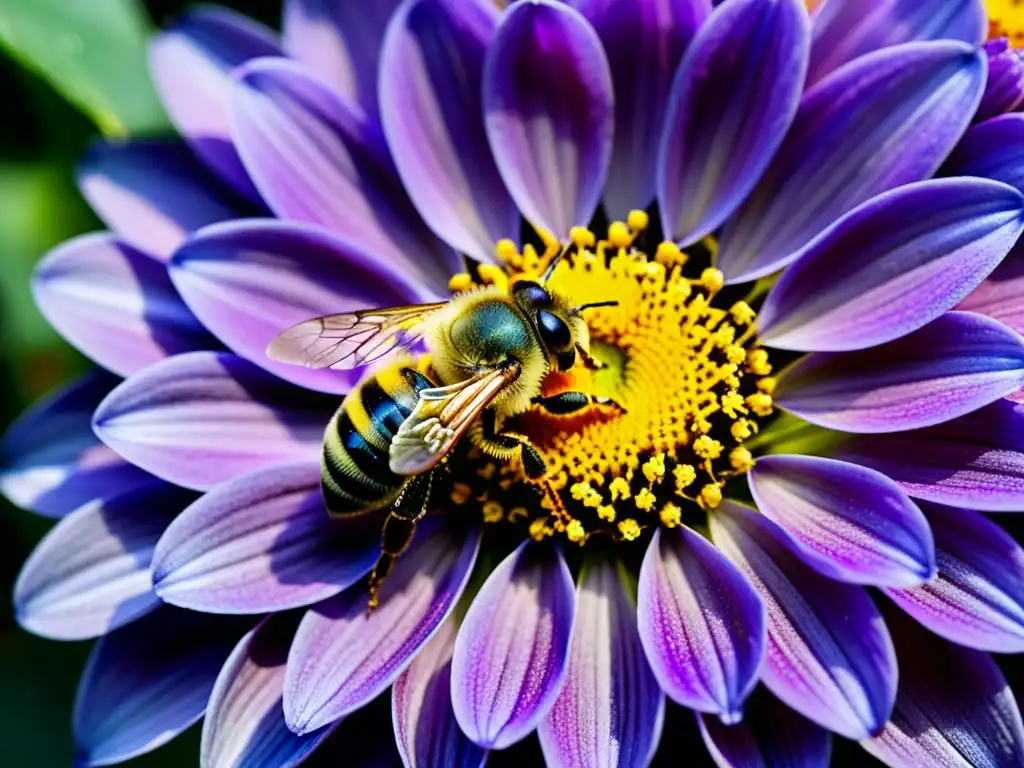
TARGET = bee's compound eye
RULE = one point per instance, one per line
(554, 330)
(533, 294)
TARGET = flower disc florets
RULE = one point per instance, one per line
(686, 369)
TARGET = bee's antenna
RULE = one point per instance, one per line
(554, 263)
(591, 305)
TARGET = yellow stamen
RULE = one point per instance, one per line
(574, 532)
(629, 529)
(671, 515)
(1006, 19)
(711, 496)
(619, 235)
(637, 220)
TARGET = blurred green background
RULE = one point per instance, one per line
(72, 70)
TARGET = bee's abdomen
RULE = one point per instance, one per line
(354, 470)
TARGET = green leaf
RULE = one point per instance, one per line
(93, 52)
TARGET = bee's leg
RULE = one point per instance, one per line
(399, 527)
(565, 403)
(503, 445)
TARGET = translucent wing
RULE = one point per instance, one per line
(351, 340)
(441, 417)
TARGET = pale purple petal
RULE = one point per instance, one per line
(701, 624)
(1001, 296)
(512, 652)
(610, 709)
(847, 522)
(191, 65)
(154, 193)
(978, 598)
(732, 101)
(248, 281)
(954, 707)
(548, 107)
(954, 365)
(147, 682)
(421, 707)
(644, 42)
(319, 160)
(262, 542)
(244, 725)
(344, 656)
(90, 573)
(340, 40)
(993, 149)
(115, 304)
(431, 110)
(199, 419)
(887, 120)
(829, 654)
(847, 29)
(892, 265)
(1004, 90)
(976, 461)
(771, 735)
(51, 461)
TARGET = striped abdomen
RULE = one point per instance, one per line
(354, 469)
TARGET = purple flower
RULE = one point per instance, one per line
(844, 422)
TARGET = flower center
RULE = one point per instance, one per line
(1006, 19)
(689, 375)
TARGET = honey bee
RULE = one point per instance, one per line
(490, 349)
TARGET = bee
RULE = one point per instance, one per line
(490, 349)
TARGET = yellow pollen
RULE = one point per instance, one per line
(574, 532)
(767, 385)
(493, 512)
(707, 447)
(638, 220)
(645, 500)
(671, 515)
(460, 282)
(654, 468)
(711, 496)
(619, 235)
(1006, 19)
(689, 377)
(629, 529)
(741, 459)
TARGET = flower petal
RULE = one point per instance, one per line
(115, 304)
(844, 31)
(199, 419)
(1004, 90)
(52, 463)
(191, 63)
(548, 108)
(977, 599)
(90, 573)
(993, 149)
(421, 707)
(344, 656)
(1001, 296)
(244, 725)
(147, 682)
(248, 281)
(770, 734)
(431, 103)
(892, 265)
(316, 159)
(610, 709)
(512, 652)
(732, 101)
(262, 542)
(954, 365)
(839, 152)
(954, 707)
(701, 624)
(340, 40)
(976, 461)
(644, 42)
(847, 522)
(154, 193)
(829, 654)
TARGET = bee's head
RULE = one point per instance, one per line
(560, 327)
